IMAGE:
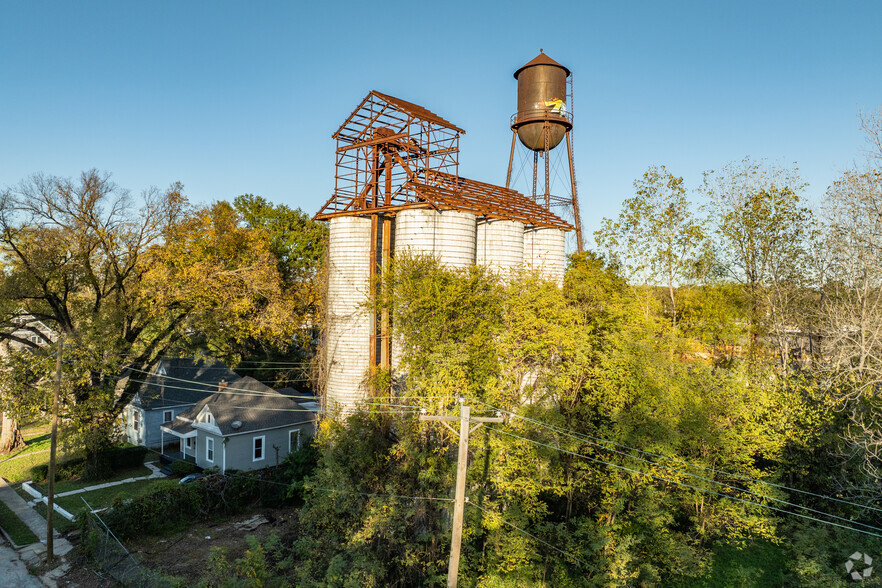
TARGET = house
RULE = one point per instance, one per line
(245, 426)
(171, 387)
(27, 328)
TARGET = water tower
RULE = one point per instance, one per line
(541, 122)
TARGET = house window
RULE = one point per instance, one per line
(167, 416)
(136, 420)
(258, 447)
(209, 449)
(206, 417)
(188, 443)
(293, 440)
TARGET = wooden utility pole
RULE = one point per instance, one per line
(50, 504)
(465, 420)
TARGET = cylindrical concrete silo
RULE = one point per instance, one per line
(500, 244)
(348, 323)
(447, 235)
(545, 252)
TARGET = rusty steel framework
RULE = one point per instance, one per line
(383, 146)
(394, 155)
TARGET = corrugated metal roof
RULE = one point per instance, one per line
(486, 200)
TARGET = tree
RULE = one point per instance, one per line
(299, 245)
(851, 312)
(657, 234)
(127, 281)
(762, 229)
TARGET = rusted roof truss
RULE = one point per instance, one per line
(381, 148)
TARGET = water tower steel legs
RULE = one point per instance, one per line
(514, 138)
(576, 216)
(547, 132)
(535, 167)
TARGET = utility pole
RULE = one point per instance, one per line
(50, 503)
(465, 420)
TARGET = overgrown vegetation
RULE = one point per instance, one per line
(167, 506)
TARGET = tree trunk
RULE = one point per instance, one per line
(10, 438)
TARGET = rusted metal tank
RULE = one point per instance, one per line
(542, 94)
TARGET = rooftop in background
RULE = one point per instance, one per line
(183, 380)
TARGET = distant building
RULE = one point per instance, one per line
(29, 332)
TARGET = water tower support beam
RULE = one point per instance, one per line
(547, 131)
(576, 216)
(514, 138)
(535, 167)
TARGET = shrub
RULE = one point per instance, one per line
(182, 468)
(64, 470)
(123, 458)
(171, 506)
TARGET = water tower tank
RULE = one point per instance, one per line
(542, 87)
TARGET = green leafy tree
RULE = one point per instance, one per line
(126, 280)
(657, 234)
(762, 229)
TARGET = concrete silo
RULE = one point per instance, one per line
(500, 244)
(448, 235)
(348, 328)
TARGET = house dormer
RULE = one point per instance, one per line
(205, 420)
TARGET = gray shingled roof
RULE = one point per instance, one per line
(253, 404)
(186, 381)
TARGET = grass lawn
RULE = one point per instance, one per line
(76, 484)
(17, 530)
(760, 564)
(105, 497)
(61, 524)
(16, 467)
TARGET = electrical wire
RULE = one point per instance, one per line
(705, 490)
(530, 535)
(598, 440)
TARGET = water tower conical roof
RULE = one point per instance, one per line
(540, 59)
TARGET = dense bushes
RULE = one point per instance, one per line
(64, 470)
(123, 458)
(172, 506)
(181, 467)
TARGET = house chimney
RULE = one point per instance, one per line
(222, 385)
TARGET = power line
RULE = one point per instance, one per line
(591, 440)
(530, 535)
(213, 389)
(657, 477)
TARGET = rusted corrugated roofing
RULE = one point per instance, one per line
(486, 200)
(540, 59)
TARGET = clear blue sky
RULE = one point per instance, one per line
(235, 97)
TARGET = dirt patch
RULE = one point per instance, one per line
(185, 555)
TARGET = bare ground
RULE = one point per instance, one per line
(185, 555)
